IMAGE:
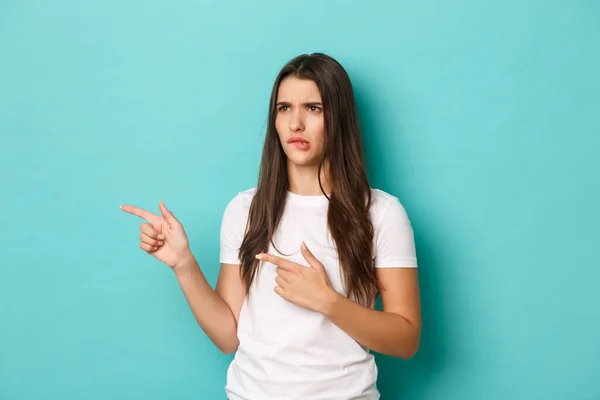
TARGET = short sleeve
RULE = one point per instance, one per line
(394, 238)
(233, 226)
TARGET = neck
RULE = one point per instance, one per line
(303, 179)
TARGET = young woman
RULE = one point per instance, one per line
(303, 255)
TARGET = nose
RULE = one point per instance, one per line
(296, 121)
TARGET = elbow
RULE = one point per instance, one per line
(404, 348)
(228, 348)
(409, 352)
(409, 348)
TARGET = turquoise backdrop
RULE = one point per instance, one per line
(482, 117)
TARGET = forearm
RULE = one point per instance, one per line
(383, 332)
(211, 312)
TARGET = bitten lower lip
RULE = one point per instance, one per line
(301, 145)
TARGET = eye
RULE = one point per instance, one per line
(282, 108)
(314, 108)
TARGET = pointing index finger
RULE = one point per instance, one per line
(280, 262)
(140, 212)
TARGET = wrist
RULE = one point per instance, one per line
(330, 302)
(186, 264)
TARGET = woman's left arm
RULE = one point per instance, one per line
(396, 330)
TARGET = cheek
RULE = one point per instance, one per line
(279, 125)
(319, 133)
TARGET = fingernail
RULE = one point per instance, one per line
(161, 237)
(259, 256)
(160, 243)
(304, 246)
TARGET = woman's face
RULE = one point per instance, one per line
(299, 121)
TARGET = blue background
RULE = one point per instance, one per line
(482, 117)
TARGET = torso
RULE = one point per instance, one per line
(289, 352)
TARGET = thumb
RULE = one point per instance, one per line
(312, 260)
(168, 215)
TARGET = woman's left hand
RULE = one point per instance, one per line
(306, 287)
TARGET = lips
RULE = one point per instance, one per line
(298, 140)
(299, 143)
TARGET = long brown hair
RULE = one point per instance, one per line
(350, 200)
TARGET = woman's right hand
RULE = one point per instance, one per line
(162, 236)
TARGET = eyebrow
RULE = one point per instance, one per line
(308, 103)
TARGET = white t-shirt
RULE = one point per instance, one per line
(288, 352)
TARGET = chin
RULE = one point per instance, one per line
(306, 160)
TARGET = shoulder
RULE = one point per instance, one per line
(239, 205)
(233, 225)
(394, 243)
(242, 199)
(381, 197)
(384, 203)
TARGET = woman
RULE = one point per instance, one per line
(304, 254)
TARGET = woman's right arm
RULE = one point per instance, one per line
(216, 311)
